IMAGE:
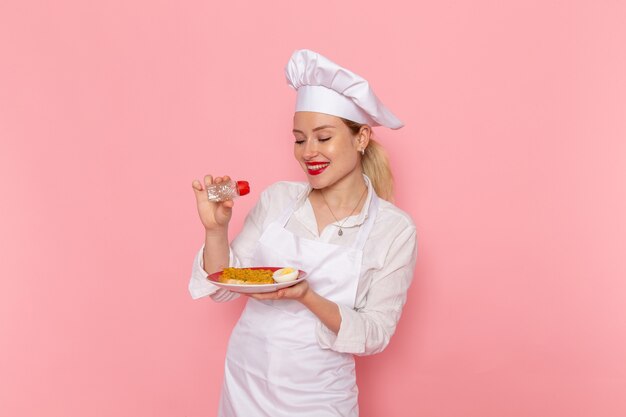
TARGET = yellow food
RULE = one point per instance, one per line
(246, 276)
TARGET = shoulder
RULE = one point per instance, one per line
(291, 188)
(284, 190)
(274, 199)
(393, 239)
(390, 215)
(279, 194)
(393, 227)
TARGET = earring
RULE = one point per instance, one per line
(362, 151)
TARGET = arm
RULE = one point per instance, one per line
(368, 329)
(215, 218)
(325, 310)
(216, 253)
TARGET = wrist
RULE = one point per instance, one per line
(214, 234)
(308, 297)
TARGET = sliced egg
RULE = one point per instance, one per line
(285, 275)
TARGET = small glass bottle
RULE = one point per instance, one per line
(227, 190)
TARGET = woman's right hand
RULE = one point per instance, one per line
(214, 216)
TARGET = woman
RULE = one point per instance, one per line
(291, 353)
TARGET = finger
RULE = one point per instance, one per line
(197, 185)
(199, 192)
(264, 296)
(208, 180)
(226, 178)
(197, 189)
(226, 208)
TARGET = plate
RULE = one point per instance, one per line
(255, 288)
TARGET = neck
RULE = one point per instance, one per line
(345, 192)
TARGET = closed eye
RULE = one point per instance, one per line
(301, 141)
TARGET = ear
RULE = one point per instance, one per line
(363, 137)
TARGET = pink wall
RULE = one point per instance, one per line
(512, 163)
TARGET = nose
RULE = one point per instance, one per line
(310, 149)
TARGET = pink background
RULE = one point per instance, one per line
(512, 164)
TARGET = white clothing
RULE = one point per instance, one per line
(326, 87)
(388, 261)
(274, 365)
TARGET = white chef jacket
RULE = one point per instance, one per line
(388, 262)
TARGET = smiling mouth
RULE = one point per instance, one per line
(316, 168)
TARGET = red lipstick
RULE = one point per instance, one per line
(316, 168)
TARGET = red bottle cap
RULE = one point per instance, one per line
(243, 187)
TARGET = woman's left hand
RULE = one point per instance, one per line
(295, 292)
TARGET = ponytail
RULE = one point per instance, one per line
(376, 166)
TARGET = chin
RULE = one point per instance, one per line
(317, 183)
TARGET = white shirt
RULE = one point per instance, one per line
(388, 262)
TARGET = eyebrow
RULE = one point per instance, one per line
(316, 129)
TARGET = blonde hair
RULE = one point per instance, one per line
(375, 164)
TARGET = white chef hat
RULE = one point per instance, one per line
(326, 87)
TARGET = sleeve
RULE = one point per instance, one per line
(241, 251)
(367, 330)
(200, 286)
